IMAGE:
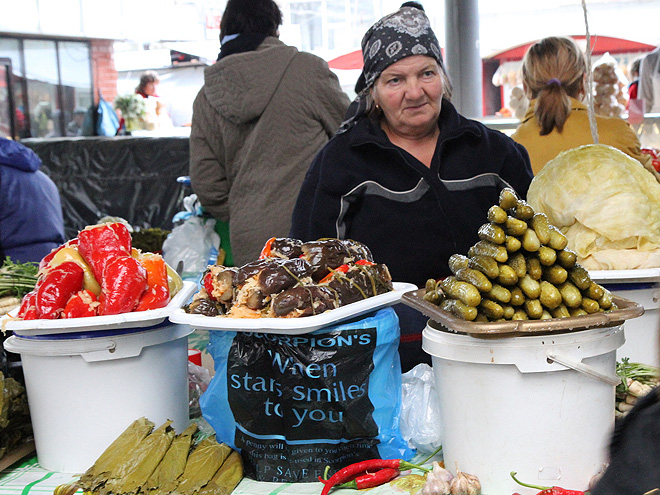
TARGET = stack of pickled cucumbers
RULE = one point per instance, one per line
(520, 269)
(159, 462)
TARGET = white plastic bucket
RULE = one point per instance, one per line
(643, 333)
(85, 390)
(506, 404)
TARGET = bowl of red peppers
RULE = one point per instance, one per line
(97, 280)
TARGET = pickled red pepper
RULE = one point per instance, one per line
(124, 281)
(81, 304)
(101, 244)
(157, 294)
(56, 287)
(28, 308)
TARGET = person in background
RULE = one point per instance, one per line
(148, 85)
(554, 74)
(633, 87)
(633, 452)
(156, 114)
(649, 81)
(406, 174)
(31, 222)
(74, 127)
(263, 113)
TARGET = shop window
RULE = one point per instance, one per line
(76, 84)
(10, 49)
(7, 127)
(52, 85)
(42, 81)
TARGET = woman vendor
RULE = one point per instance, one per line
(406, 174)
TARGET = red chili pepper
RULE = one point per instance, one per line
(207, 282)
(100, 244)
(340, 269)
(123, 284)
(28, 309)
(265, 252)
(82, 303)
(371, 480)
(547, 490)
(157, 294)
(56, 287)
(364, 263)
(348, 473)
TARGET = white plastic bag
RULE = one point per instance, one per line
(420, 417)
(194, 242)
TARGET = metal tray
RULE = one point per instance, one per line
(627, 310)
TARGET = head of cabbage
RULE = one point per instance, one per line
(605, 202)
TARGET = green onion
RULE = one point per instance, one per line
(17, 279)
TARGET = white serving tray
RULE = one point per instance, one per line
(136, 319)
(648, 275)
(293, 326)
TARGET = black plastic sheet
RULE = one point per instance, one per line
(130, 177)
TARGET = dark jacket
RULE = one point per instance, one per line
(31, 223)
(362, 187)
(634, 451)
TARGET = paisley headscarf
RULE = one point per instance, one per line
(402, 34)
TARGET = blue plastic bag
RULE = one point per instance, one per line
(107, 121)
(294, 404)
(100, 120)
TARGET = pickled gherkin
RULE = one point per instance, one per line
(519, 269)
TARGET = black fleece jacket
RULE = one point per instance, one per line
(413, 218)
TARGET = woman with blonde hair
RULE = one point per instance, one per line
(554, 74)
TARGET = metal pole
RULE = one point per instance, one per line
(462, 55)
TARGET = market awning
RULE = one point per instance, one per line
(348, 61)
(599, 46)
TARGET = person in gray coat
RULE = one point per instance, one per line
(263, 113)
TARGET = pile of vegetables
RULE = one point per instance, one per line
(520, 269)
(605, 203)
(159, 462)
(150, 240)
(15, 425)
(292, 279)
(16, 280)
(99, 273)
(441, 481)
(637, 380)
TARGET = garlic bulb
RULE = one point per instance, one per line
(464, 484)
(442, 473)
(435, 485)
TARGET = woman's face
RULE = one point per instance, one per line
(150, 88)
(409, 92)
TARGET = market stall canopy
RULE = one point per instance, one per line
(599, 46)
(348, 61)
